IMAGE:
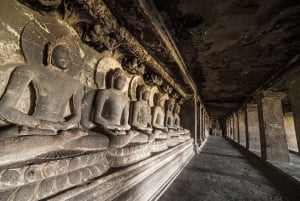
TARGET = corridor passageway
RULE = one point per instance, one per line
(220, 172)
(105, 100)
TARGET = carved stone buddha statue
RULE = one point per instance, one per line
(184, 134)
(46, 130)
(141, 113)
(173, 134)
(158, 123)
(107, 112)
(176, 116)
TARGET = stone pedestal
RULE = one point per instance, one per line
(242, 128)
(289, 126)
(294, 92)
(252, 127)
(272, 135)
(145, 180)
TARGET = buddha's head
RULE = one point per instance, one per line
(177, 108)
(118, 79)
(144, 92)
(170, 104)
(61, 54)
(160, 99)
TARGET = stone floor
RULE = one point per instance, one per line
(292, 168)
(220, 173)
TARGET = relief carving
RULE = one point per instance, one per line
(46, 131)
(158, 123)
(141, 112)
(133, 66)
(45, 151)
(173, 135)
(108, 113)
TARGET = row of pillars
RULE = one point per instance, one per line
(195, 118)
(202, 126)
(263, 127)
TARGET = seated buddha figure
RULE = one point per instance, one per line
(173, 134)
(46, 131)
(184, 134)
(158, 123)
(107, 112)
(141, 113)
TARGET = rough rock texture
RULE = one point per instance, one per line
(230, 46)
(220, 173)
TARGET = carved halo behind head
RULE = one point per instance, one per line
(117, 79)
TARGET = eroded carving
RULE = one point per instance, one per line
(184, 134)
(51, 177)
(158, 123)
(107, 111)
(173, 134)
(141, 113)
(54, 89)
(133, 66)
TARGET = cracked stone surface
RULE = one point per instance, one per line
(221, 173)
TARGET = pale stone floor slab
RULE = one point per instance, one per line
(292, 168)
(221, 173)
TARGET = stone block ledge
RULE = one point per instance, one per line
(144, 180)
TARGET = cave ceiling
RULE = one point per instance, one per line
(230, 47)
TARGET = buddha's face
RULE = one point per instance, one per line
(120, 82)
(146, 95)
(170, 105)
(61, 57)
(177, 109)
(161, 103)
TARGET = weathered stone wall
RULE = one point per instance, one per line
(77, 101)
(289, 127)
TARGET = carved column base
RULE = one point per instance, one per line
(127, 155)
(158, 146)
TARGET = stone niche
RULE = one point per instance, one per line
(82, 117)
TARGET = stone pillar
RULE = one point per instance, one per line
(235, 128)
(294, 92)
(231, 128)
(252, 128)
(188, 117)
(242, 127)
(206, 123)
(272, 135)
(195, 121)
(199, 122)
(290, 132)
(227, 127)
(203, 124)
